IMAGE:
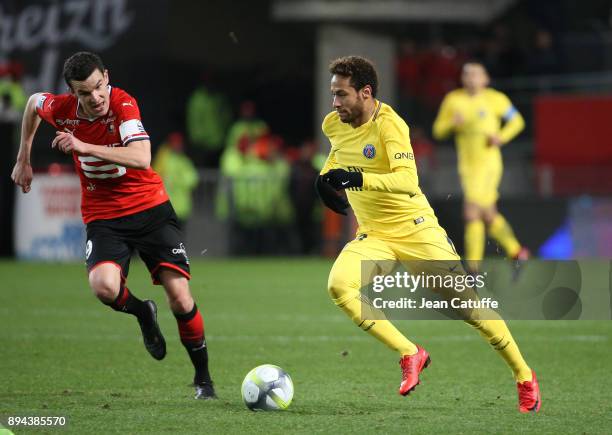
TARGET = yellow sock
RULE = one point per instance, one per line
(498, 335)
(502, 232)
(382, 330)
(474, 242)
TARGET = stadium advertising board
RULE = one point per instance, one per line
(48, 224)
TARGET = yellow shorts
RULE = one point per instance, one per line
(430, 243)
(365, 257)
(480, 185)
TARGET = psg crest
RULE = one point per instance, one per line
(369, 151)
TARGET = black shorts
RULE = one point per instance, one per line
(154, 233)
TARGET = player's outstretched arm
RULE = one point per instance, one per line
(22, 171)
(136, 154)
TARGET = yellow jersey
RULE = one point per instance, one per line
(390, 203)
(483, 115)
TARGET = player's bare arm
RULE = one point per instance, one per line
(137, 154)
(22, 171)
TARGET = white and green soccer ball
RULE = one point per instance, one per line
(267, 388)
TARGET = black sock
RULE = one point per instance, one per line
(128, 303)
(199, 358)
(191, 330)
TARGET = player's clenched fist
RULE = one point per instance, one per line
(22, 175)
(330, 198)
(340, 179)
(67, 143)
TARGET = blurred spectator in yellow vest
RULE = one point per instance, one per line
(247, 125)
(208, 118)
(179, 174)
(12, 95)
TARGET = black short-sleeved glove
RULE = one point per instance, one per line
(330, 198)
(340, 179)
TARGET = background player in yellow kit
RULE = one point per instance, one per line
(483, 120)
(371, 157)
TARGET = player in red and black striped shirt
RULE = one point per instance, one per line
(124, 203)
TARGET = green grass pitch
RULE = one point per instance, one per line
(63, 353)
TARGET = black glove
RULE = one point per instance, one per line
(340, 179)
(330, 198)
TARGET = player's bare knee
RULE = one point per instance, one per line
(181, 302)
(178, 295)
(471, 216)
(471, 212)
(104, 286)
(489, 217)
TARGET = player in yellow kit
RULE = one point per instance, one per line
(372, 159)
(483, 121)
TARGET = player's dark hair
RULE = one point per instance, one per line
(80, 65)
(360, 70)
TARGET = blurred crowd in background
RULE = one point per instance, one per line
(260, 183)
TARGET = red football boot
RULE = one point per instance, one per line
(412, 365)
(529, 395)
(523, 254)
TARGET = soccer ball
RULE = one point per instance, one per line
(267, 388)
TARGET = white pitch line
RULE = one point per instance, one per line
(101, 311)
(287, 338)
